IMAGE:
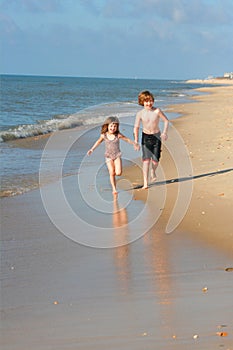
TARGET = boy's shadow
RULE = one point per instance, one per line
(181, 179)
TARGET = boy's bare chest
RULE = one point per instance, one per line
(149, 117)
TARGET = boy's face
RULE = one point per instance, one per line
(148, 103)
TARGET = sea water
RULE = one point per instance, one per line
(32, 106)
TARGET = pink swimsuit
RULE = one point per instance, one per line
(112, 147)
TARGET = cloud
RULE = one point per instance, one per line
(33, 5)
(215, 12)
(10, 32)
(115, 36)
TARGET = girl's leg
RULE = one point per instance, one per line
(118, 166)
(111, 170)
(145, 168)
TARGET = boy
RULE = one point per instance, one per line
(151, 135)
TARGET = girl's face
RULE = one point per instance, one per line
(148, 103)
(112, 128)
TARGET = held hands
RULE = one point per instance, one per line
(136, 146)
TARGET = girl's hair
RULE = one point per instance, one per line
(108, 121)
(143, 96)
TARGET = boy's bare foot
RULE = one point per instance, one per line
(114, 192)
(153, 176)
(153, 179)
(144, 187)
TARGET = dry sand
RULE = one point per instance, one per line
(164, 291)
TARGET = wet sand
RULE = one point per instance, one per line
(164, 290)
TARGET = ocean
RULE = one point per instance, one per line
(35, 106)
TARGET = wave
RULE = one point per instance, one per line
(89, 116)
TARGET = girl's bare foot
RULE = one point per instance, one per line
(144, 187)
(114, 192)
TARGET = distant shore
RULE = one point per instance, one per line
(211, 81)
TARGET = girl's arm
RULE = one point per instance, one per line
(126, 139)
(96, 144)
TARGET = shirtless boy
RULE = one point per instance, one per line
(150, 116)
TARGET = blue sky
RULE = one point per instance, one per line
(158, 39)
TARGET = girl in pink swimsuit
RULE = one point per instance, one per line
(111, 135)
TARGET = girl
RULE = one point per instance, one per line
(111, 135)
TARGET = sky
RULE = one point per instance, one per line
(148, 39)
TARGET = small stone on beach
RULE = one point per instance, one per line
(222, 334)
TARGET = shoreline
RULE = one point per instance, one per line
(16, 184)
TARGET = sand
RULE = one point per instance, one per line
(169, 289)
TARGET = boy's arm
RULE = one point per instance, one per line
(165, 125)
(136, 127)
(96, 144)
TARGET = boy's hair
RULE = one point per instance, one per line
(143, 96)
(108, 121)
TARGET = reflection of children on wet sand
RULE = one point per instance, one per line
(111, 135)
(120, 217)
(151, 136)
(121, 240)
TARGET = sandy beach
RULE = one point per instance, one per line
(169, 288)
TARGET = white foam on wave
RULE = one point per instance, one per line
(89, 116)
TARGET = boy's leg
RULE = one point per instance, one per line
(155, 156)
(146, 158)
(154, 166)
(111, 170)
(156, 152)
(145, 168)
